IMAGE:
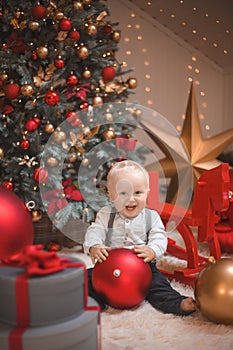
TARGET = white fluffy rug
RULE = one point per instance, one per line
(144, 328)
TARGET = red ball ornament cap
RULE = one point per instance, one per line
(123, 279)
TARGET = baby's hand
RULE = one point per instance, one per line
(99, 253)
(144, 252)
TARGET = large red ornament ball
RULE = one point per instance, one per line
(108, 73)
(12, 91)
(51, 98)
(16, 227)
(214, 290)
(123, 279)
(39, 12)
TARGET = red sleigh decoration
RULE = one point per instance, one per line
(211, 196)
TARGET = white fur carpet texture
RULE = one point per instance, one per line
(145, 328)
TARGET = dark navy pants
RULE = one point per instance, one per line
(161, 295)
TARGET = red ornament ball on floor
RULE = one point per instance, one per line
(123, 279)
(16, 227)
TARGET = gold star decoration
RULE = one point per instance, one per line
(189, 149)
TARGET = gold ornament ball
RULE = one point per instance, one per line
(109, 117)
(72, 157)
(59, 136)
(91, 29)
(87, 2)
(97, 101)
(1, 153)
(85, 162)
(3, 76)
(78, 5)
(33, 25)
(86, 74)
(42, 52)
(109, 134)
(27, 90)
(59, 15)
(36, 215)
(52, 161)
(132, 83)
(49, 128)
(116, 36)
(83, 52)
(214, 290)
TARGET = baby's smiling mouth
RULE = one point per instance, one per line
(130, 207)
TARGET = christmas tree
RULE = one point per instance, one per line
(58, 71)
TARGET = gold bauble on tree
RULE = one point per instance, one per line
(91, 29)
(33, 25)
(36, 215)
(85, 162)
(78, 5)
(51, 161)
(97, 101)
(59, 15)
(109, 116)
(27, 90)
(1, 153)
(3, 76)
(42, 52)
(59, 136)
(116, 36)
(49, 128)
(109, 134)
(86, 74)
(132, 83)
(83, 52)
(87, 2)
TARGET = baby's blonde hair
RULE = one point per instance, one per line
(127, 165)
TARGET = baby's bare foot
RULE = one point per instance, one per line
(188, 304)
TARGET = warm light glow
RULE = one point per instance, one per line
(128, 52)
(147, 89)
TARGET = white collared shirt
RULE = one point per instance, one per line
(127, 232)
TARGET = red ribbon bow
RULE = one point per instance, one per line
(56, 199)
(36, 261)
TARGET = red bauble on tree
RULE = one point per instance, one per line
(12, 91)
(72, 79)
(65, 24)
(108, 73)
(74, 34)
(59, 63)
(32, 124)
(16, 227)
(8, 185)
(51, 97)
(39, 12)
(123, 280)
(40, 175)
(84, 105)
(24, 144)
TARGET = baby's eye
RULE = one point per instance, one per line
(138, 192)
(123, 193)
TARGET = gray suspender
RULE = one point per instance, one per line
(111, 221)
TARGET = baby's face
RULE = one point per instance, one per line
(128, 191)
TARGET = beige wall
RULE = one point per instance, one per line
(154, 51)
